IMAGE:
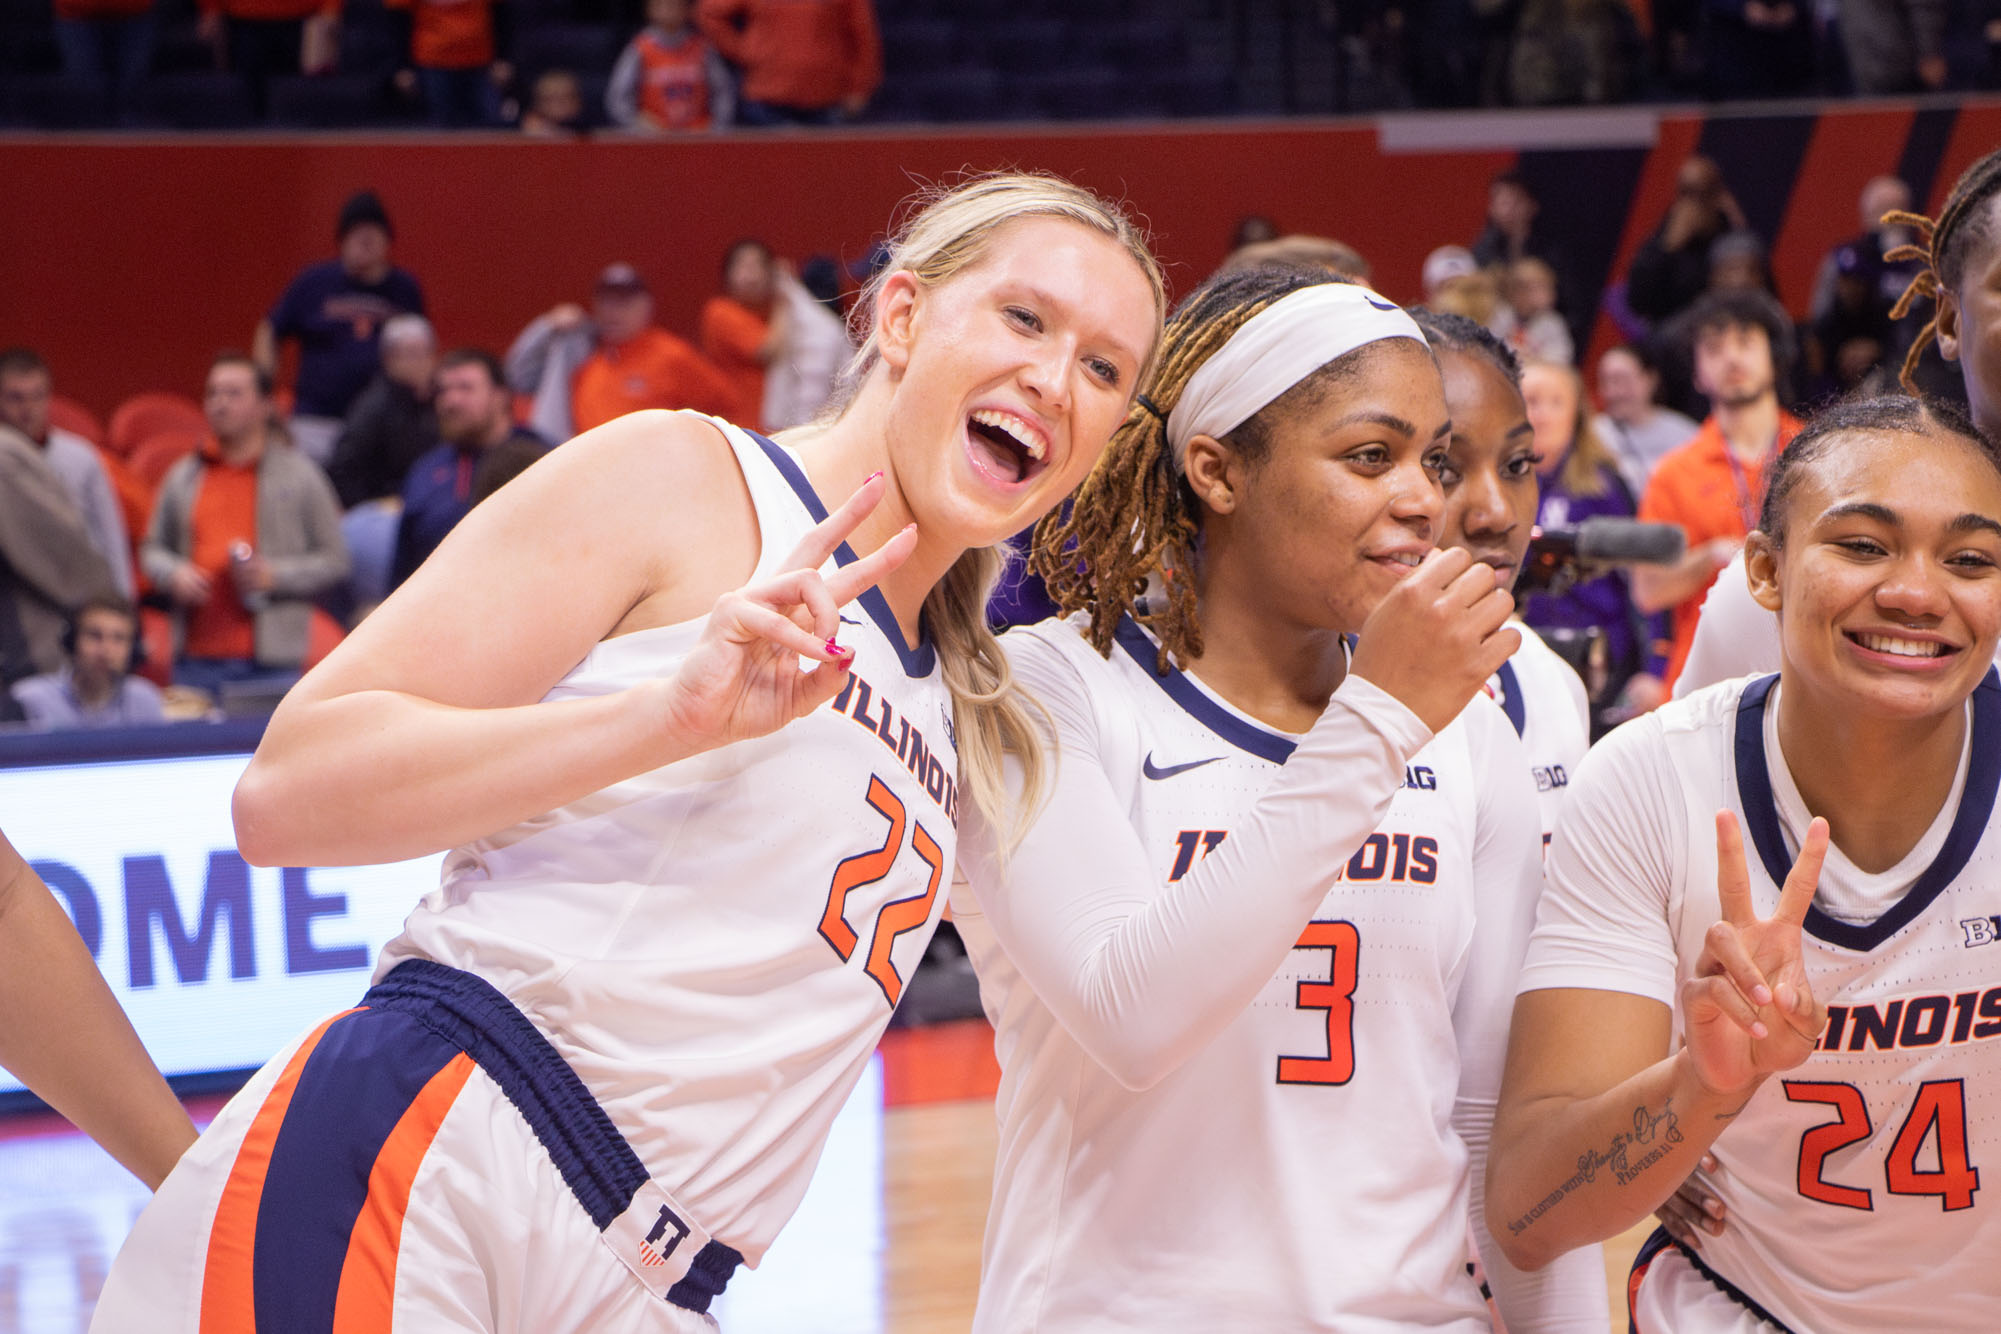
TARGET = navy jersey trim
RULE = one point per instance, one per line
(1660, 1241)
(1512, 703)
(1141, 648)
(917, 662)
(1969, 823)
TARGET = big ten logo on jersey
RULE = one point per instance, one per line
(1420, 778)
(1549, 777)
(1980, 930)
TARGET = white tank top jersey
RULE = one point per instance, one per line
(715, 946)
(1858, 1184)
(1303, 1168)
(1543, 697)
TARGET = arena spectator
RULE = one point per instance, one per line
(1882, 194)
(1513, 232)
(451, 49)
(1580, 480)
(107, 40)
(1632, 423)
(1739, 262)
(95, 686)
(26, 391)
(742, 327)
(262, 38)
(801, 379)
(246, 533)
(1300, 250)
(335, 311)
(803, 62)
(585, 369)
(48, 565)
(1895, 46)
(1671, 268)
(482, 449)
(555, 106)
(1457, 285)
(1849, 343)
(669, 77)
(1253, 229)
(388, 429)
(1712, 486)
(1528, 321)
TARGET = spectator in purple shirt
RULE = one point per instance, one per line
(335, 311)
(1580, 480)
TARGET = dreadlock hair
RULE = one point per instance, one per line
(1447, 332)
(1885, 413)
(1943, 246)
(1135, 515)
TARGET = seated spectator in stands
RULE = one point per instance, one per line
(1739, 262)
(555, 106)
(109, 41)
(1527, 321)
(1876, 238)
(26, 391)
(1512, 233)
(1632, 423)
(262, 38)
(801, 379)
(246, 533)
(1455, 284)
(48, 564)
(451, 50)
(335, 311)
(742, 327)
(802, 62)
(1713, 485)
(1580, 480)
(95, 687)
(388, 429)
(669, 78)
(1895, 46)
(1848, 344)
(482, 449)
(583, 370)
(1671, 268)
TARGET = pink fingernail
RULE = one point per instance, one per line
(871, 477)
(1758, 1029)
(834, 650)
(1762, 995)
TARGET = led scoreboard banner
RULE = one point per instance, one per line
(218, 963)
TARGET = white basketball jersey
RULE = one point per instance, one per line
(1543, 697)
(1858, 1184)
(715, 946)
(1300, 1170)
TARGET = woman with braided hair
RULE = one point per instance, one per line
(1961, 277)
(1248, 1003)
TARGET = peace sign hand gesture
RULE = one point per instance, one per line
(743, 677)
(1750, 1010)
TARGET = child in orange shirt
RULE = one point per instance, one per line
(669, 77)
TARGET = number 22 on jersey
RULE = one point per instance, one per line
(896, 917)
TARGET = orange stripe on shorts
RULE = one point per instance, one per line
(366, 1301)
(228, 1296)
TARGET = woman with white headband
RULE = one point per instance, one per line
(1249, 1013)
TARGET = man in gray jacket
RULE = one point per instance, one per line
(245, 534)
(48, 566)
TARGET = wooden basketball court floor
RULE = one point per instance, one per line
(887, 1241)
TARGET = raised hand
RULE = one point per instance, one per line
(1750, 1011)
(743, 678)
(1438, 636)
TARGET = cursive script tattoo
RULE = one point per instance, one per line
(1631, 1152)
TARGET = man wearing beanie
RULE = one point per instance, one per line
(335, 310)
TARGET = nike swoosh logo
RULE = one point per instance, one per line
(1380, 305)
(1152, 770)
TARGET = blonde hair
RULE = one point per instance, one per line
(1588, 463)
(948, 232)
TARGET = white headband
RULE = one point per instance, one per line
(1274, 350)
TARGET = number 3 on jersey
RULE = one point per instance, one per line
(895, 917)
(1336, 996)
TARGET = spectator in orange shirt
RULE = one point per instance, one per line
(669, 78)
(584, 370)
(803, 62)
(742, 330)
(1713, 485)
(109, 40)
(452, 50)
(266, 37)
(245, 534)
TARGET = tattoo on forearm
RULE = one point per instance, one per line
(1631, 1152)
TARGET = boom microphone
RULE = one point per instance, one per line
(1555, 554)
